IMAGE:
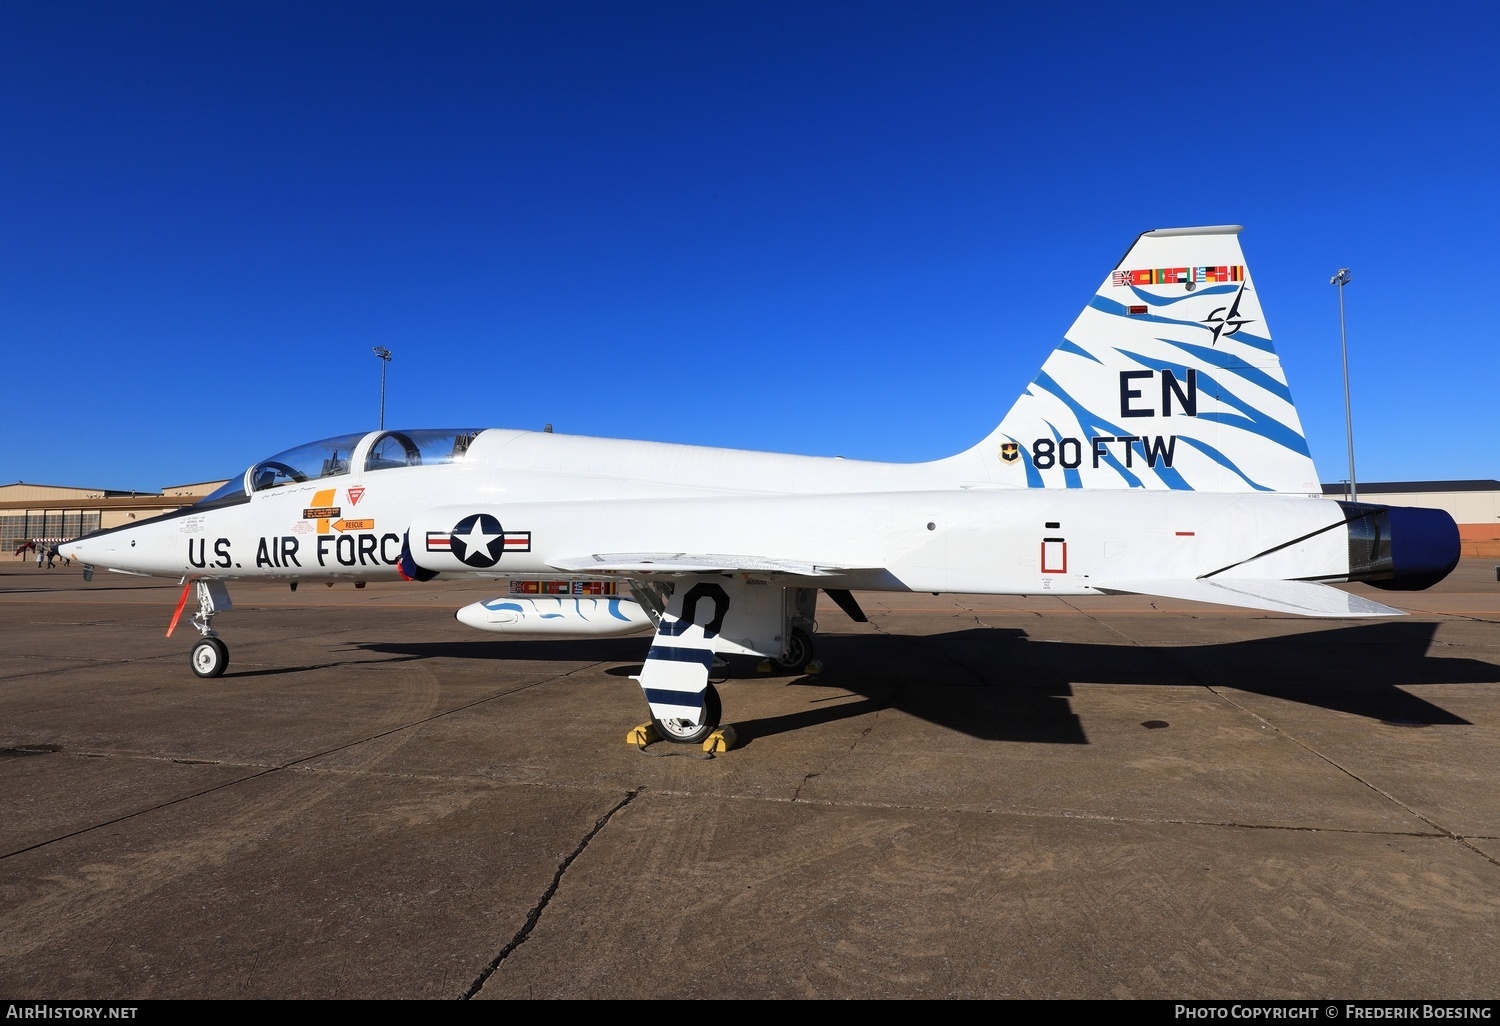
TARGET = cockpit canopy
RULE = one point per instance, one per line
(334, 457)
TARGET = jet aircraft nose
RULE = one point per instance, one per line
(135, 548)
(88, 550)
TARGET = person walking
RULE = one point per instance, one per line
(41, 552)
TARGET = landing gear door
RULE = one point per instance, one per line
(757, 619)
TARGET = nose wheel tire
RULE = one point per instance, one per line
(210, 657)
(686, 732)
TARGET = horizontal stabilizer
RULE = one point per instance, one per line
(1302, 598)
(688, 563)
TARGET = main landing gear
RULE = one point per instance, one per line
(692, 639)
(686, 732)
(799, 652)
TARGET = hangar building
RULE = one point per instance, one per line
(49, 514)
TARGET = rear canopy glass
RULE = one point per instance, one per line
(426, 448)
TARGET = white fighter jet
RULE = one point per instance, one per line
(1157, 452)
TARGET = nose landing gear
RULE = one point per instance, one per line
(210, 656)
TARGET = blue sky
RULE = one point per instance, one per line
(834, 228)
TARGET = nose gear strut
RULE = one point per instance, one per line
(210, 656)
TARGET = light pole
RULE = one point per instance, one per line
(385, 358)
(1341, 279)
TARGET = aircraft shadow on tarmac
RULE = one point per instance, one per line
(997, 684)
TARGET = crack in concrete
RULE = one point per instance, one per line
(808, 778)
(534, 916)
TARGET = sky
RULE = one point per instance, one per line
(848, 229)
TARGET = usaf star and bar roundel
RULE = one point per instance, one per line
(478, 540)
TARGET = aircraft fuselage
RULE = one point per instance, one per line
(879, 526)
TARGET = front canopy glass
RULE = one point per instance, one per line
(310, 462)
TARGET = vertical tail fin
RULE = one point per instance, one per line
(1167, 380)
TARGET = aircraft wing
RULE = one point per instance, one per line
(690, 563)
(1303, 598)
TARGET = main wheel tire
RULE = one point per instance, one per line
(685, 732)
(799, 652)
(210, 657)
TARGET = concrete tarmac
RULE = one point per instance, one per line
(977, 798)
